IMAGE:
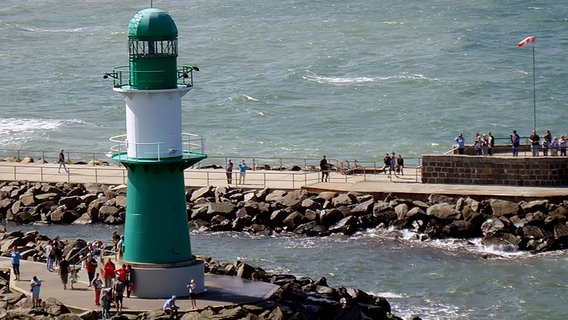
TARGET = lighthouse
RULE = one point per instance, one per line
(155, 153)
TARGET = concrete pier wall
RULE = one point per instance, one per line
(497, 170)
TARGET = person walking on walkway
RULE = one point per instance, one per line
(64, 272)
(15, 257)
(388, 164)
(242, 172)
(61, 161)
(35, 286)
(324, 168)
(229, 171)
(400, 164)
(97, 284)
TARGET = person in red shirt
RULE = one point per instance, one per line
(108, 273)
(121, 273)
(91, 267)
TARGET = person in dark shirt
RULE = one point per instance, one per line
(324, 167)
(535, 143)
(64, 272)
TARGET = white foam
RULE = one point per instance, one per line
(12, 125)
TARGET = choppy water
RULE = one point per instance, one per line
(298, 78)
(434, 280)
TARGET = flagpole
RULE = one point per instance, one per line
(526, 41)
(534, 89)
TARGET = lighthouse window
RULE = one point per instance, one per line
(153, 48)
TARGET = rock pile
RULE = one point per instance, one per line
(536, 226)
(62, 203)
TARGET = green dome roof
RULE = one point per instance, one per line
(152, 24)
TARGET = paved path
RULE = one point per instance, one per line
(408, 185)
(221, 290)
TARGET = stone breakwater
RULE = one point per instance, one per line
(296, 298)
(536, 226)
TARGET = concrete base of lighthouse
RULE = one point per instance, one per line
(161, 281)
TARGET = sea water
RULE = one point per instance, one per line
(302, 78)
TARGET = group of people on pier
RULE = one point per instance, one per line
(484, 145)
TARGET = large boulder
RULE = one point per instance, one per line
(347, 226)
(443, 211)
(501, 207)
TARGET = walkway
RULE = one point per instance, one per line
(221, 290)
(406, 186)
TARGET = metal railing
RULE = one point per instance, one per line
(115, 175)
(121, 76)
(154, 150)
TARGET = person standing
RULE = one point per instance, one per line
(324, 168)
(118, 292)
(191, 289)
(15, 258)
(477, 144)
(229, 171)
(548, 137)
(554, 147)
(121, 273)
(35, 285)
(129, 282)
(491, 143)
(49, 256)
(485, 145)
(534, 139)
(105, 300)
(64, 272)
(562, 143)
(108, 272)
(61, 161)
(393, 163)
(545, 146)
(242, 172)
(97, 284)
(460, 143)
(120, 247)
(516, 143)
(58, 247)
(91, 267)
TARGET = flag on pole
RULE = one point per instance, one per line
(527, 41)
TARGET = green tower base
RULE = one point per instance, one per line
(156, 231)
